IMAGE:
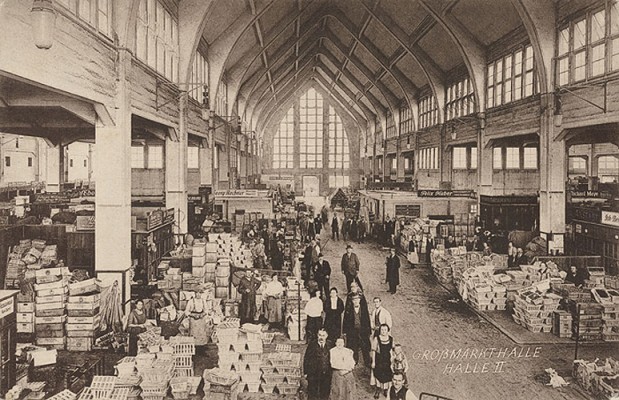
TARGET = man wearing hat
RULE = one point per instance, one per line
(322, 274)
(350, 268)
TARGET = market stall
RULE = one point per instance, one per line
(233, 204)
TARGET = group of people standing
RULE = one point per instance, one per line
(354, 228)
(348, 333)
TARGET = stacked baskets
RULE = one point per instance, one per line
(281, 370)
(128, 378)
(183, 351)
(156, 375)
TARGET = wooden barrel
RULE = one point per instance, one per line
(221, 281)
(222, 271)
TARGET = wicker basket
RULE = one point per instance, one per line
(267, 388)
(267, 337)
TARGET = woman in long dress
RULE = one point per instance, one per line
(273, 293)
(334, 308)
(136, 324)
(381, 361)
(343, 386)
(196, 310)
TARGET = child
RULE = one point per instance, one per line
(398, 362)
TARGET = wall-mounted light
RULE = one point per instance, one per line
(482, 121)
(408, 142)
(454, 133)
(43, 20)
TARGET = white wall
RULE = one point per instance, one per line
(78, 161)
(19, 150)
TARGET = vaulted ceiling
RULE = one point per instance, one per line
(372, 55)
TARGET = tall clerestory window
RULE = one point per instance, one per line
(311, 116)
(283, 149)
(339, 155)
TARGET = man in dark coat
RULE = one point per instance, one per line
(335, 228)
(356, 327)
(311, 228)
(317, 225)
(322, 275)
(248, 287)
(350, 268)
(307, 260)
(393, 271)
(317, 367)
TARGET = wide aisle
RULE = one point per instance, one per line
(451, 351)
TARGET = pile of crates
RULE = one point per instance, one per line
(610, 322)
(221, 385)
(562, 323)
(587, 320)
(128, 378)
(52, 288)
(281, 370)
(534, 310)
(84, 316)
(442, 270)
(211, 259)
(183, 349)
(156, 371)
(600, 378)
(487, 297)
(104, 387)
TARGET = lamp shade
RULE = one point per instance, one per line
(43, 20)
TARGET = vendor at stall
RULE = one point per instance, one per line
(273, 292)
(136, 324)
(196, 311)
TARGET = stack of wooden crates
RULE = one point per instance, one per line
(83, 315)
(52, 288)
(211, 261)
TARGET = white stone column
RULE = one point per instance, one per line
(553, 174)
(55, 169)
(112, 168)
(176, 170)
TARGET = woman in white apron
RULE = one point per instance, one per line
(196, 311)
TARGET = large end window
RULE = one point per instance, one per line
(283, 149)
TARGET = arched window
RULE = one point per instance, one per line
(339, 155)
(283, 149)
(311, 129)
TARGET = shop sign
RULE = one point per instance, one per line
(590, 194)
(154, 219)
(510, 200)
(236, 193)
(85, 223)
(446, 193)
(194, 198)
(7, 307)
(610, 218)
(168, 216)
(408, 210)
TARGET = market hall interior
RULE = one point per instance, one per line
(478, 138)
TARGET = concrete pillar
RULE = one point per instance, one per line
(176, 170)
(593, 164)
(553, 174)
(484, 166)
(206, 164)
(112, 168)
(55, 169)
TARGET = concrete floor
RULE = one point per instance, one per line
(427, 324)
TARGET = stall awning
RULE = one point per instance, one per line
(601, 133)
(522, 139)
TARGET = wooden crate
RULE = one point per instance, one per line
(79, 343)
(84, 287)
(91, 298)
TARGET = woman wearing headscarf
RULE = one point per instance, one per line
(136, 324)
